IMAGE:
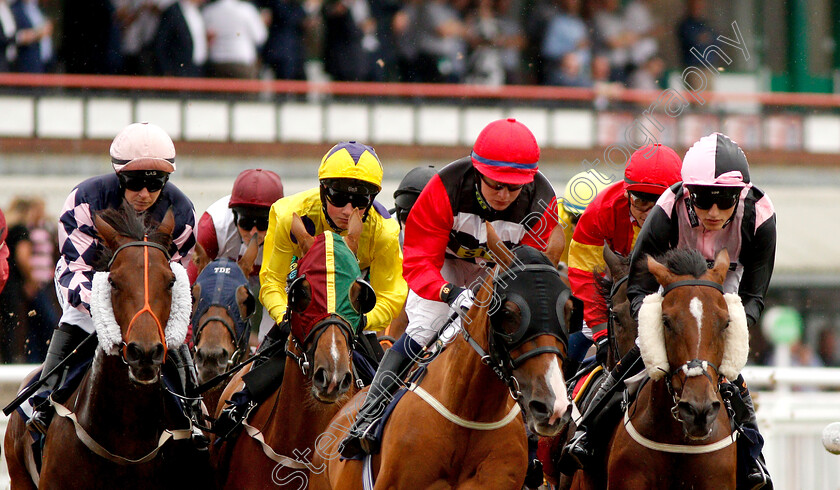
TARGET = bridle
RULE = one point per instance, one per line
(500, 345)
(146, 306)
(238, 340)
(612, 318)
(694, 367)
(307, 355)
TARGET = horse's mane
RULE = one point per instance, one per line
(684, 262)
(128, 223)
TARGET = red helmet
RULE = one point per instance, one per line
(652, 169)
(507, 152)
(256, 188)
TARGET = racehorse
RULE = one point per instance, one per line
(676, 434)
(327, 299)
(222, 305)
(120, 427)
(474, 436)
(623, 329)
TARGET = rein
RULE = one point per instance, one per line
(146, 306)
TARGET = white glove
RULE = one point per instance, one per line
(464, 300)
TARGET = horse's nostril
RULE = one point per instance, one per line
(199, 356)
(133, 353)
(346, 381)
(320, 377)
(538, 408)
(157, 353)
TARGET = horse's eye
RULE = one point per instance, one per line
(510, 319)
(113, 284)
(171, 284)
(666, 320)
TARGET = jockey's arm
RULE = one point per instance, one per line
(654, 239)
(385, 273)
(586, 255)
(277, 257)
(758, 259)
(426, 235)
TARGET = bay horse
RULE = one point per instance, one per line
(465, 426)
(677, 433)
(120, 427)
(222, 305)
(327, 301)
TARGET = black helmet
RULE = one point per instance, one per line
(410, 188)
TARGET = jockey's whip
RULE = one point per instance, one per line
(31, 389)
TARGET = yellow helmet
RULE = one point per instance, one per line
(353, 161)
(582, 189)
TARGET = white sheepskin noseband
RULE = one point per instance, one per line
(652, 338)
(108, 331)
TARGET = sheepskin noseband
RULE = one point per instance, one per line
(108, 331)
(652, 337)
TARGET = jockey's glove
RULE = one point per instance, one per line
(456, 296)
(602, 347)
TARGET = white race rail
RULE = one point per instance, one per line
(793, 405)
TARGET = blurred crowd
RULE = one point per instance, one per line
(492, 42)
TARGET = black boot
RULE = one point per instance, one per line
(188, 383)
(581, 451)
(263, 378)
(754, 473)
(386, 382)
(65, 338)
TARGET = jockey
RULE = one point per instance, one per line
(143, 157)
(580, 190)
(350, 175)
(614, 218)
(446, 246)
(229, 225)
(715, 207)
(409, 190)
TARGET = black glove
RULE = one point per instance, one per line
(450, 292)
(602, 347)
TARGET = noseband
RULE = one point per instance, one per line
(694, 367)
(146, 307)
(308, 354)
(238, 340)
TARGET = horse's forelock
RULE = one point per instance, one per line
(685, 262)
(129, 224)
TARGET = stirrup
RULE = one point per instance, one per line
(232, 416)
(40, 420)
(759, 478)
(575, 455)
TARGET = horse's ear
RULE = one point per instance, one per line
(196, 293)
(502, 255)
(718, 271)
(556, 245)
(246, 262)
(302, 236)
(300, 294)
(200, 258)
(660, 272)
(614, 263)
(106, 231)
(354, 231)
(362, 296)
(168, 224)
(245, 300)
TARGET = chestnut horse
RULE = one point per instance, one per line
(465, 426)
(692, 336)
(327, 300)
(120, 427)
(222, 305)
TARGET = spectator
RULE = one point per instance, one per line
(694, 32)
(612, 39)
(536, 25)
(44, 310)
(827, 347)
(4, 252)
(7, 37)
(14, 323)
(181, 40)
(639, 20)
(404, 27)
(349, 40)
(566, 48)
(284, 51)
(441, 39)
(91, 38)
(236, 32)
(138, 20)
(385, 57)
(496, 44)
(34, 37)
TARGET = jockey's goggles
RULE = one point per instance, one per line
(642, 201)
(340, 199)
(497, 186)
(247, 222)
(722, 197)
(137, 180)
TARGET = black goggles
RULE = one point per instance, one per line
(723, 198)
(497, 186)
(340, 199)
(152, 181)
(247, 222)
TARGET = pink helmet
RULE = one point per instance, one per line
(507, 152)
(256, 188)
(716, 160)
(143, 146)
